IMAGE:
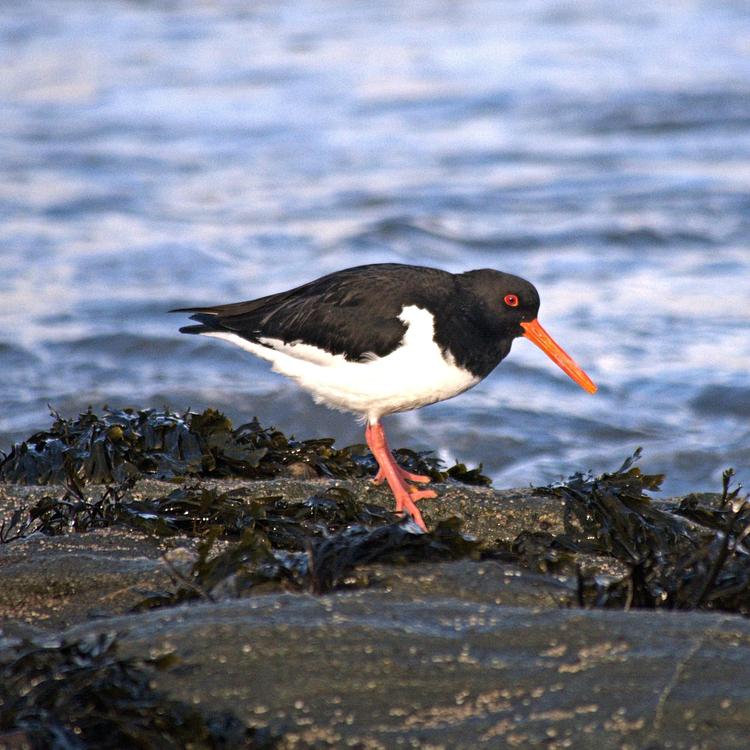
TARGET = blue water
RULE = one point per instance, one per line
(154, 155)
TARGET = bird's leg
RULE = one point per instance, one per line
(403, 473)
(405, 495)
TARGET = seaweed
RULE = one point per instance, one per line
(462, 473)
(311, 544)
(18, 526)
(612, 515)
(253, 565)
(164, 445)
(690, 554)
(54, 515)
(248, 566)
(127, 443)
(74, 695)
(712, 510)
(332, 560)
(717, 574)
(196, 510)
(671, 564)
(542, 552)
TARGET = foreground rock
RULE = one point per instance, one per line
(460, 654)
(408, 669)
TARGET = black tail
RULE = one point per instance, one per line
(207, 322)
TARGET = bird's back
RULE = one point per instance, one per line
(354, 312)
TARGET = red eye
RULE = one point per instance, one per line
(511, 300)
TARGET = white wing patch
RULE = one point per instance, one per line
(417, 373)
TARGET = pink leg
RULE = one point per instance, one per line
(403, 473)
(396, 477)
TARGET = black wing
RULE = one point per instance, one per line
(351, 312)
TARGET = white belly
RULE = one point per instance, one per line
(414, 375)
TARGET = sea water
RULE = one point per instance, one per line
(156, 155)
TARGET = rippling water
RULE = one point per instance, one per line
(154, 155)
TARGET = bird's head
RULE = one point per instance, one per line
(510, 306)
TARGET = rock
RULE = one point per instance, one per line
(462, 654)
(403, 667)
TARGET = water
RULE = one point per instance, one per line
(154, 155)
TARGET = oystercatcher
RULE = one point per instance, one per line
(385, 338)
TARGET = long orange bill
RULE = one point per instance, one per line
(534, 332)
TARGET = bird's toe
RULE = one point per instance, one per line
(416, 494)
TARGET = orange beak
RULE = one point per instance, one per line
(537, 334)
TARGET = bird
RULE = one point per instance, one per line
(383, 338)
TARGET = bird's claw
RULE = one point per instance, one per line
(405, 504)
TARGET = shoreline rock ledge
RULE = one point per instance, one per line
(478, 652)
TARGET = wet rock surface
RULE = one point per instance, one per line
(386, 670)
(481, 651)
(55, 581)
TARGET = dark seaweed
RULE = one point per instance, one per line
(712, 510)
(18, 526)
(543, 552)
(197, 510)
(612, 515)
(80, 694)
(687, 555)
(253, 565)
(331, 560)
(672, 564)
(316, 544)
(134, 443)
(249, 566)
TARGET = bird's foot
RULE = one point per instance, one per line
(406, 498)
(404, 474)
(406, 495)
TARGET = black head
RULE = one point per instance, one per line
(506, 306)
(505, 300)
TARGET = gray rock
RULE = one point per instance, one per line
(443, 655)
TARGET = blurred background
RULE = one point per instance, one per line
(160, 154)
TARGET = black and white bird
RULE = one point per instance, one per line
(386, 338)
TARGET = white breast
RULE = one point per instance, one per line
(417, 373)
